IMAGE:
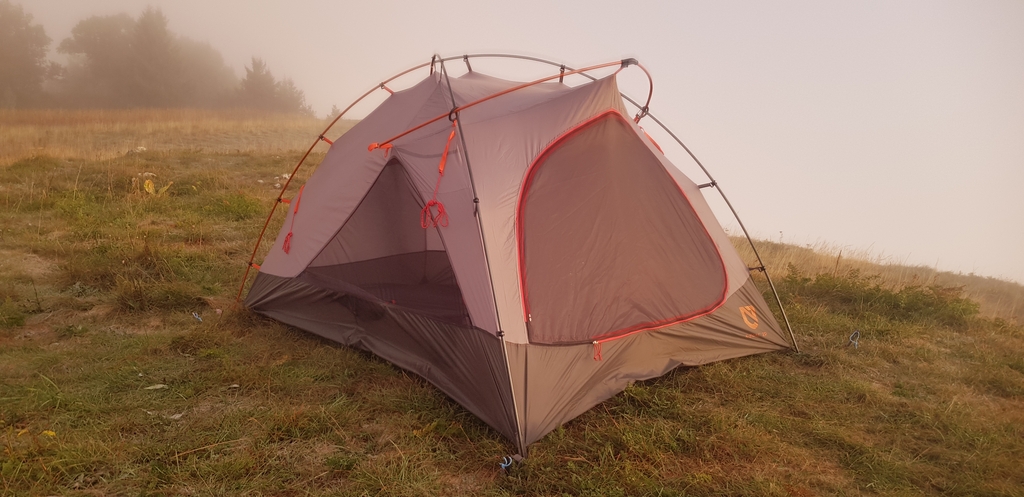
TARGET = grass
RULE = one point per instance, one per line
(997, 298)
(105, 134)
(110, 385)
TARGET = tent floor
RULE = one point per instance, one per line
(437, 300)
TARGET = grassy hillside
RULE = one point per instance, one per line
(110, 385)
(107, 134)
(997, 298)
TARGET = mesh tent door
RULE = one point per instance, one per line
(381, 255)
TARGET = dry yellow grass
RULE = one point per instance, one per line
(998, 298)
(103, 134)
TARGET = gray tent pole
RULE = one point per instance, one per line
(735, 215)
(483, 244)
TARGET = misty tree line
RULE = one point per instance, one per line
(119, 61)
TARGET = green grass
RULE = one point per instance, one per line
(99, 280)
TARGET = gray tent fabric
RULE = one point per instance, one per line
(465, 363)
(574, 259)
(383, 251)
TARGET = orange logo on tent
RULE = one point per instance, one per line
(749, 315)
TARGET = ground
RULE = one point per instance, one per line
(127, 368)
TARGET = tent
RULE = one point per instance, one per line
(525, 247)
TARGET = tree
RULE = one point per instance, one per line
(155, 67)
(23, 65)
(291, 99)
(118, 61)
(210, 81)
(333, 112)
(259, 90)
(100, 50)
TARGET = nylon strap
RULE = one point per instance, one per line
(427, 217)
(287, 245)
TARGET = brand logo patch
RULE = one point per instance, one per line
(749, 315)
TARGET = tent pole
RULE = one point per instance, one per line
(454, 111)
(487, 262)
(714, 183)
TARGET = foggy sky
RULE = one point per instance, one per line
(890, 126)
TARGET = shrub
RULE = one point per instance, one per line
(858, 296)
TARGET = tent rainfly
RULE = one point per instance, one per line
(525, 247)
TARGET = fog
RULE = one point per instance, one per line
(895, 127)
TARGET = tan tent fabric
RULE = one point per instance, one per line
(575, 259)
(608, 244)
(558, 383)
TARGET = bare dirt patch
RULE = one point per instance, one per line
(19, 264)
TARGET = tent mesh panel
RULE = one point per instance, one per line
(382, 255)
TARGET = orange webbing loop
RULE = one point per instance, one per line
(427, 217)
(297, 200)
(287, 245)
(597, 350)
(385, 147)
(444, 156)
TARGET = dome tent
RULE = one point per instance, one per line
(525, 247)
